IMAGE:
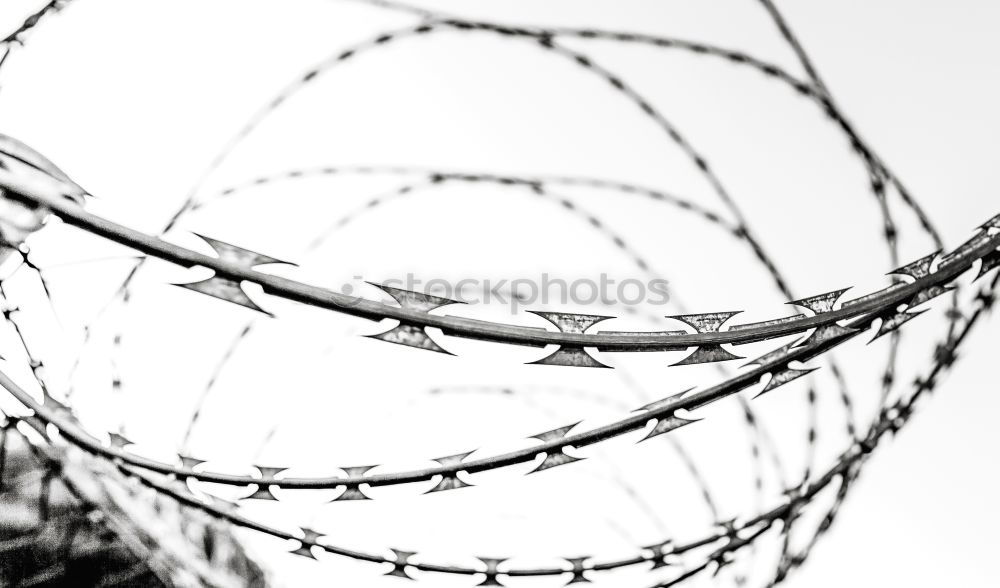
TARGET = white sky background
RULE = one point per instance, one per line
(134, 99)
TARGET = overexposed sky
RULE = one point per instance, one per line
(134, 99)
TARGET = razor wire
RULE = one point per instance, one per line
(823, 322)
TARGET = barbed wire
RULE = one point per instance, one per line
(825, 324)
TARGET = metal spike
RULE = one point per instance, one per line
(708, 322)
(269, 473)
(50, 402)
(265, 486)
(578, 570)
(783, 377)
(666, 424)
(309, 539)
(555, 433)
(660, 554)
(707, 354)
(919, 268)
(895, 321)
(990, 262)
(451, 481)
(669, 422)
(492, 571)
(353, 491)
(945, 354)
(189, 463)
(820, 303)
(570, 323)
(224, 289)
(663, 401)
(399, 566)
(785, 374)
(570, 356)
(238, 255)
(408, 334)
(993, 223)
(119, 441)
(262, 492)
(415, 300)
(454, 459)
(555, 458)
